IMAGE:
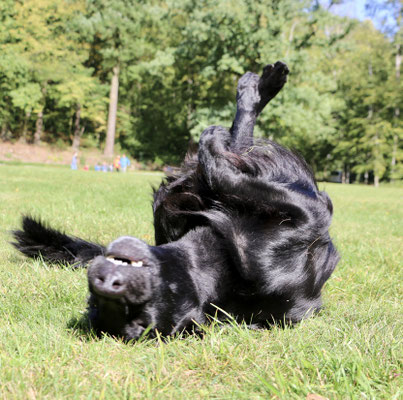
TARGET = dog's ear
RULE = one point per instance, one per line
(325, 261)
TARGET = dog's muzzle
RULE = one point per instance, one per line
(115, 278)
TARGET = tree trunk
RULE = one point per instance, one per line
(291, 37)
(343, 175)
(113, 106)
(398, 62)
(38, 128)
(366, 176)
(3, 133)
(189, 106)
(376, 137)
(77, 131)
(377, 156)
(394, 153)
(25, 127)
(39, 121)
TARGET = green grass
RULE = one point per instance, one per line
(351, 350)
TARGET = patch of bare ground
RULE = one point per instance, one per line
(46, 154)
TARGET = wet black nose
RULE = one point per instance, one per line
(108, 281)
(114, 279)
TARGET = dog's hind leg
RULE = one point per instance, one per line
(253, 93)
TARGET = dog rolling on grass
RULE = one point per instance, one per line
(242, 227)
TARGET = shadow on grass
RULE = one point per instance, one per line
(80, 328)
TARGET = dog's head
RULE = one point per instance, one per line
(121, 285)
(136, 287)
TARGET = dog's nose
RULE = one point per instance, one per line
(120, 280)
(109, 281)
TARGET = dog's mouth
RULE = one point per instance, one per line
(121, 285)
(118, 260)
(120, 278)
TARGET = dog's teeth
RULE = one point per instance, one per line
(137, 263)
(120, 262)
(116, 262)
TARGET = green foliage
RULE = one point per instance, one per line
(371, 94)
(179, 61)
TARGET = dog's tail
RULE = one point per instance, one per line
(37, 240)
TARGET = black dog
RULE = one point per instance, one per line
(241, 228)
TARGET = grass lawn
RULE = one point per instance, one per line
(351, 350)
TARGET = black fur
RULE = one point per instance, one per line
(242, 227)
(37, 239)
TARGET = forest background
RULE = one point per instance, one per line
(148, 76)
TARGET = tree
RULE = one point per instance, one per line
(207, 47)
(27, 97)
(113, 27)
(364, 80)
(171, 68)
(83, 94)
(38, 34)
(11, 66)
(389, 15)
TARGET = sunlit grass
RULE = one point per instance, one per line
(352, 349)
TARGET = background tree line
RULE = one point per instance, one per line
(150, 75)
